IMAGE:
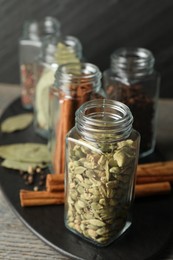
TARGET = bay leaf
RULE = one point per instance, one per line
(25, 152)
(15, 123)
(17, 165)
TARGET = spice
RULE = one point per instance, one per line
(155, 172)
(33, 177)
(42, 98)
(28, 84)
(17, 122)
(65, 51)
(142, 107)
(34, 33)
(149, 189)
(101, 157)
(40, 198)
(55, 182)
(67, 120)
(100, 184)
(132, 80)
(74, 85)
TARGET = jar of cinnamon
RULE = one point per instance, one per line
(75, 83)
(101, 158)
(55, 52)
(133, 80)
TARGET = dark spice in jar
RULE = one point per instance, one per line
(133, 80)
(141, 106)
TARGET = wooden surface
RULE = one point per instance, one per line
(17, 242)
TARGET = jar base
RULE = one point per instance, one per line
(111, 240)
(146, 153)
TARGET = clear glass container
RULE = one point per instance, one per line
(55, 53)
(133, 80)
(50, 26)
(30, 46)
(75, 83)
(101, 159)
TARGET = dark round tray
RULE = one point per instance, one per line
(148, 235)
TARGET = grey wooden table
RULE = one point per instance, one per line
(17, 241)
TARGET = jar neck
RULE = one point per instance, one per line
(104, 121)
(50, 26)
(31, 31)
(77, 79)
(132, 62)
(69, 44)
(61, 51)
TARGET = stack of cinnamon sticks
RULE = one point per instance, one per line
(53, 195)
(151, 179)
(154, 178)
(81, 90)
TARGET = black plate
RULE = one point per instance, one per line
(146, 237)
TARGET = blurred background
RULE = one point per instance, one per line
(102, 27)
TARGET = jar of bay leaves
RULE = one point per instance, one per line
(55, 52)
(101, 159)
(133, 80)
(75, 83)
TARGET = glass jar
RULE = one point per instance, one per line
(30, 46)
(50, 26)
(55, 53)
(75, 83)
(101, 159)
(133, 80)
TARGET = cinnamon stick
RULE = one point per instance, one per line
(59, 142)
(55, 178)
(40, 198)
(55, 182)
(157, 168)
(152, 179)
(149, 189)
(155, 172)
(67, 118)
(83, 92)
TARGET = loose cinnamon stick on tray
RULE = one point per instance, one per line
(152, 179)
(55, 188)
(157, 168)
(55, 178)
(40, 198)
(55, 182)
(155, 172)
(149, 189)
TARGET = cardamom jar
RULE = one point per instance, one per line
(101, 159)
(133, 80)
(30, 46)
(75, 83)
(55, 52)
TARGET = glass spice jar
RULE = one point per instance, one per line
(30, 45)
(133, 80)
(101, 159)
(55, 53)
(75, 83)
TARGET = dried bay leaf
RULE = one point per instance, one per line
(17, 165)
(15, 123)
(25, 152)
